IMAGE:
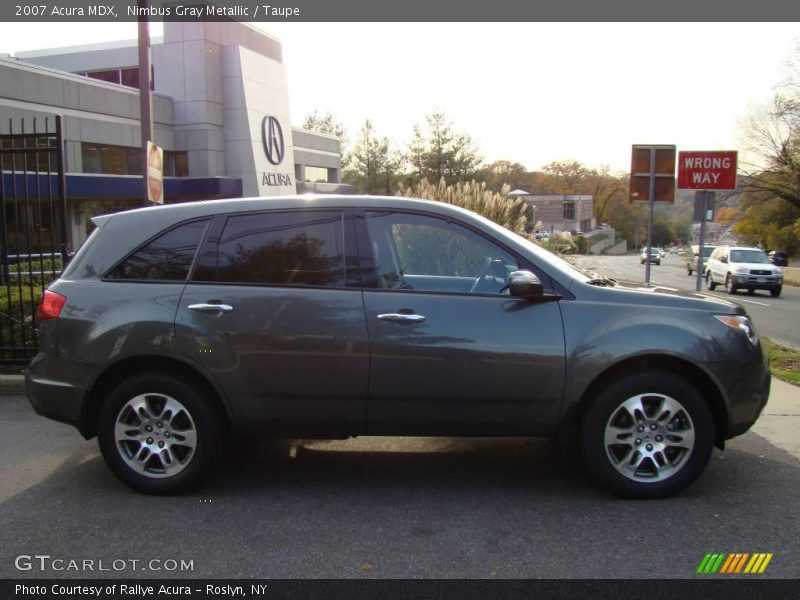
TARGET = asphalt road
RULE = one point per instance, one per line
(387, 508)
(776, 318)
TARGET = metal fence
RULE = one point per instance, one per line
(33, 233)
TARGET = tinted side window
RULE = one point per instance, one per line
(282, 248)
(167, 258)
(426, 253)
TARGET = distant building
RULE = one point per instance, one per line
(562, 212)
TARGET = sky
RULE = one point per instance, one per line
(526, 92)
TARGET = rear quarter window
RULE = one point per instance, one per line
(166, 258)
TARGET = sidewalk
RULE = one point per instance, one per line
(781, 417)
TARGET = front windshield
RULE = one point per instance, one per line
(749, 256)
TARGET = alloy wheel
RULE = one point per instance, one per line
(649, 437)
(155, 435)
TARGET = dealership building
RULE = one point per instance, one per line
(220, 113)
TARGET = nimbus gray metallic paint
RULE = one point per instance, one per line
(302, 364)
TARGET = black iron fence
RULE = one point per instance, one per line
(33, 233)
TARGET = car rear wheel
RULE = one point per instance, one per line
(710, 283)
(648, 435)
(157, 433)
(776, 291)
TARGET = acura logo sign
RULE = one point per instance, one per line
(272, 136)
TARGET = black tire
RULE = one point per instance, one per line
(710, 283)
(776, 291)
(651, 385)
(197, 415)
(729, 285)
(690, 271)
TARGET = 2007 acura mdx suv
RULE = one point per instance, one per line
(342, 316)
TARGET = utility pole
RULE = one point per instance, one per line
(145, 95)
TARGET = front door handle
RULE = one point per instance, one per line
(213, 309)
(401, 318)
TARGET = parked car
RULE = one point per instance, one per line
(691, 259)
(174, 327)
(656, 254)
(779, 258)
(739, 267)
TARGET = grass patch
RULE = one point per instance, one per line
(784, 363)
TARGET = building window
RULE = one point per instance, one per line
(127, 76)
(124, 160)
(316, 174)
(176, 164)
(109, 76)
(29, 161)
(111, 160)
(569, 210)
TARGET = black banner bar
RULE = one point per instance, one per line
(730, 588)
(404, 11)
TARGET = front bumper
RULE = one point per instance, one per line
(754, 282)
(748, 398)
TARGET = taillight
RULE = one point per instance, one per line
(51, 305)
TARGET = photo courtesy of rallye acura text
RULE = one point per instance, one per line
(175, 327)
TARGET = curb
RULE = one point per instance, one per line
(12, 385)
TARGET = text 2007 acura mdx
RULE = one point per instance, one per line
(343, 316)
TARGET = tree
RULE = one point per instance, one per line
(772, 169)
(769, 222)
(440, 152)
(326, 123)
(373, 166)
(502, 172)
(511, 213)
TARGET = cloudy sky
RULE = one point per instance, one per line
(526, 92)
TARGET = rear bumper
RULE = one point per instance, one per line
(58, 391)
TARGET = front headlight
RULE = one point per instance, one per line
(740, 270)
(742, 323)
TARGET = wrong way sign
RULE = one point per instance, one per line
(713, 170)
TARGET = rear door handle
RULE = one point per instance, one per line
(212, 309)
(401, 318)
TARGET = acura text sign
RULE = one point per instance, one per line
(714, 170)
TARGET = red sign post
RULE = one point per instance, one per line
(707, 170)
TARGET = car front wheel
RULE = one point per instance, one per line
(776, 291)
(710, 283)
(729, 285)
(648, 435)
(157, 433)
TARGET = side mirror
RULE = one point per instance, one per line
(524, 284)
(724, 259)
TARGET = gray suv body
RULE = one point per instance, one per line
(343, 316)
